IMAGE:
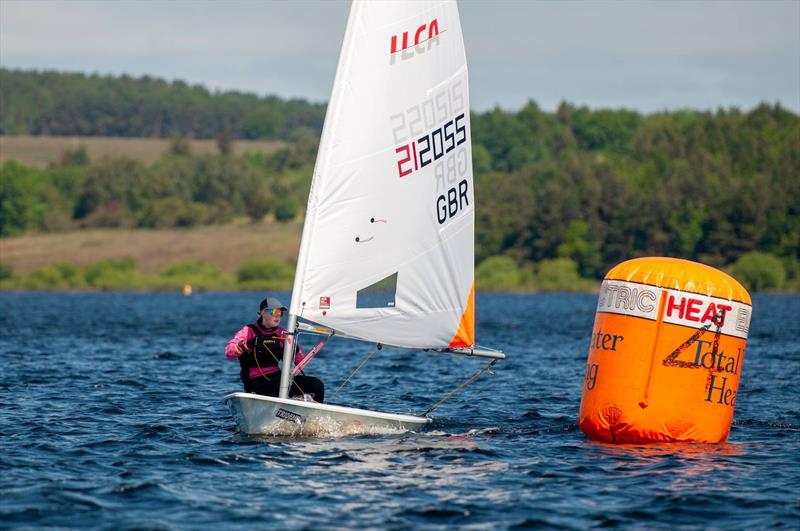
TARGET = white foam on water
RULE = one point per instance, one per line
(327, 427)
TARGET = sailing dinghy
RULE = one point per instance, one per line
(387, 253)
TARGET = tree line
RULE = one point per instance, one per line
(577, 187)
(603, 186)
(74, 104)
(179, 190)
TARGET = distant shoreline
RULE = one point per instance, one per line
(207, 258)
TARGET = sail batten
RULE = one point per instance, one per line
(387, 249)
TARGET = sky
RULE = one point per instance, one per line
(647, 56)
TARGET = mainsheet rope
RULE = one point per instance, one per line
(454, 391)
(276, 361)
(300, 366)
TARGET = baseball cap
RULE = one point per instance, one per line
(271, 302)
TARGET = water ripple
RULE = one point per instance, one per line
(118, 424)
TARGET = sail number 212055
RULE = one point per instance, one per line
(431, 147)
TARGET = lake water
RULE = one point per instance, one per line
(111, 417)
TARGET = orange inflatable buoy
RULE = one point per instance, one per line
(665, 354)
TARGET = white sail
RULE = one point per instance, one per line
(387, 249)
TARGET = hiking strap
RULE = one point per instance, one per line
(310, 356)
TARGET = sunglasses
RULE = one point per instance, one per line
(273, 311)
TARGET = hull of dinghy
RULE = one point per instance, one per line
(257, 414)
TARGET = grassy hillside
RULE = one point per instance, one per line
(224, 246)
(42, 151)
(219, 257)
(559, 196)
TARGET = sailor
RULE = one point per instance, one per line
(259, 348)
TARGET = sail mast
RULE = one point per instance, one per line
(296, 305)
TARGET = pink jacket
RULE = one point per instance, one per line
(239, 344)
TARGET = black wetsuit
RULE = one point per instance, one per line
(260, 365)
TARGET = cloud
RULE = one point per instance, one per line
(644, 55)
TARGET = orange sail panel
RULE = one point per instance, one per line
(465, 335)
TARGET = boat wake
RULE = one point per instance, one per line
(326, 427)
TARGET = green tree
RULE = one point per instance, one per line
(113, 183)
(759, 271)
(59, 191)
(58, 275)
(20, 206)
(560, 274)
(179, 147)
(260, 201)
(6, 271)
(578, 246)
(286, 209)
(78, 156)
(112, 273)
(687, 232)
(225, 142)
(498, 273)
